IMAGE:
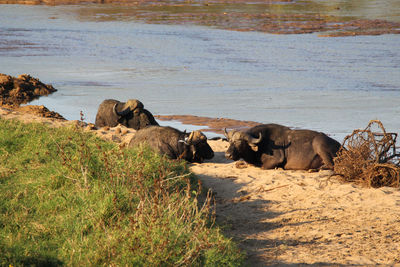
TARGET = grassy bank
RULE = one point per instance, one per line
(69, 198)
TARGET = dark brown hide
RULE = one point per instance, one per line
(192, 147)
(282, 147)
(130, 114)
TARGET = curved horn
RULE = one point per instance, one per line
(225, 133)
(255, 140)
(134, 104)
(189, 138)
(115, 110)
(122, 113)
(185, 138)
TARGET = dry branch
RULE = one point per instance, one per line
(369, 157)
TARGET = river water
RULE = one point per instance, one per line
(332, 85)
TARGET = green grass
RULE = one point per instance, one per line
(69, 198)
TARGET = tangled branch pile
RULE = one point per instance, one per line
(369, 157)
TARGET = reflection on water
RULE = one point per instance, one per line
(329, 84)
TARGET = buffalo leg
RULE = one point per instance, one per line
(327, 161)
(272, 161)
(326, 148)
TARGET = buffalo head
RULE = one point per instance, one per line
(196, 147)
(132, 105)
(240, 144)
(131, 114)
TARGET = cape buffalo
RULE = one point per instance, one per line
(271, 145)
(192, 147)
(130, 114)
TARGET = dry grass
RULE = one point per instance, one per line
(369, 157)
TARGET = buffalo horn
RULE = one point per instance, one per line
(255, 140)
(122, 113)
(225, 133)
(184, 141)
(189, 139)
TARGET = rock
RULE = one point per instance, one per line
(19, 90)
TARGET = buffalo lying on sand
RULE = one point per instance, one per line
(271, 145)
(192, 147)
(130, 114)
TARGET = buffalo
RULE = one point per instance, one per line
(192, 147)
(272, 146)
(130, 114)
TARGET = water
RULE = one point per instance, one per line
(333, 85)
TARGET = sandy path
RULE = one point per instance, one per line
(289, 217)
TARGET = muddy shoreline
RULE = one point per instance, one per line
(236, 15)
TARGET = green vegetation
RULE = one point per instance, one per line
(69, 198)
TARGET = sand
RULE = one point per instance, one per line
(285, 217)
(298, 217)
